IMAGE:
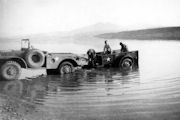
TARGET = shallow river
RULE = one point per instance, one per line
(151, 92)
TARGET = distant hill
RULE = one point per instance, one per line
(97, 28)
(82, 34)
(86, 35)
(80, 39)
(166, 33)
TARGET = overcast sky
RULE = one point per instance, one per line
(18, 17)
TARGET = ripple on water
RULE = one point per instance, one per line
(99, 93)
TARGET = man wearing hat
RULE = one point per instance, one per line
(123, 47)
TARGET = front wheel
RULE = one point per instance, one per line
(66, 67)
(10, 70)
(126, 64)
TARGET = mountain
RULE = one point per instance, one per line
(78, 40)
(165, 33)
(97, 28)
(69, 36)
(86, 35)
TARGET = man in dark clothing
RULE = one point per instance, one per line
(123, 47)
(107, 48)
(91, 57)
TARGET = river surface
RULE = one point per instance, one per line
(151, 92)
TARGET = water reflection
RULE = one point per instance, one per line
(35, 89)
(24, 90)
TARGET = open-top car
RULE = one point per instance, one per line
(124, 60)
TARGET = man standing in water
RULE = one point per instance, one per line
(123, 47)
(107, 48)
(91, 57)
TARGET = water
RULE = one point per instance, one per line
(151, 92)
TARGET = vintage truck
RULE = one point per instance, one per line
(11, 62)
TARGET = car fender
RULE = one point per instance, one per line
(19, 60)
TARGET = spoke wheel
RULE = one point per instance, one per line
(66, 67)
(11, 70)
(126, 64)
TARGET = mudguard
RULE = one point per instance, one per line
(19, 60)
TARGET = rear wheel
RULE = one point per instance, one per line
(10, 70)
(126, 63)
(66, 67)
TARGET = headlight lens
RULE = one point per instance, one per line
(53, 60)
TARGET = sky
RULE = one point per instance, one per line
(19, 17)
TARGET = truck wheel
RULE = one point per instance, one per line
(66, 67)
(126, 64)
(10, 70)
(35, 58)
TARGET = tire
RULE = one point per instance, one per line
(66, 68)
(126, 64)
(35, 58)
(10, 70)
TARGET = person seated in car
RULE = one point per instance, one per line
(107, 48)
(123, 47)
